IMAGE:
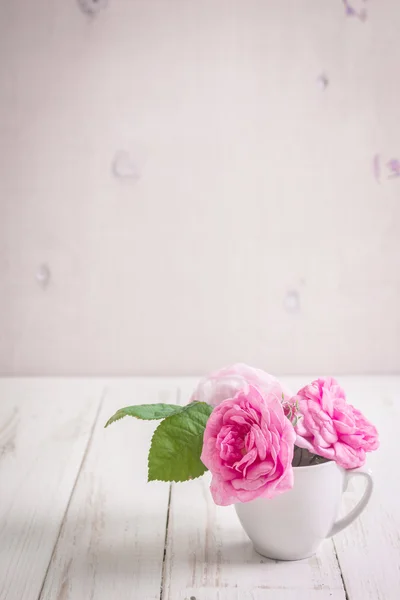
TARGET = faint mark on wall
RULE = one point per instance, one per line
(392, 168)
(124, 167)
(360, 13)
(43, 276)
(291, 301)
(322, 81)
(92, 7)
(376, 167)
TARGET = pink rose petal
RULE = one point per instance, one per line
(249, 457)
(332, 428)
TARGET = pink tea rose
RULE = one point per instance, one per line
(332, 428)
(225, 383)
(248, 447)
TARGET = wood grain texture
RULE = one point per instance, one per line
(112, 541)
(45, 426)
(217, 103)
(369, 550)
(209, 555)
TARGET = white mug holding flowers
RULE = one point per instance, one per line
(283, 460)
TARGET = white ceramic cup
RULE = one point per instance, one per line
(292, 526)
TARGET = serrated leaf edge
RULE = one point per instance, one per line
(117, 417)
(151, 443)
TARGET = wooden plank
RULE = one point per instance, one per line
(209, 555)
(369, 550)
(45, 426)
(112, 541)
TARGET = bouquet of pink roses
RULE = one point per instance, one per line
(249, 430)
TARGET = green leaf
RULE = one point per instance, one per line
(177, 444)
(146, 412)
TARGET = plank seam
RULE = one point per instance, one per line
(346, 595)
(164, 563)
(85, 454)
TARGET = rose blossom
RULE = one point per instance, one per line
(226, 382)
(248, 447)
(332, 428)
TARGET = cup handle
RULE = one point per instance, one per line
(357, 510)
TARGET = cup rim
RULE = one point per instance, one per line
(321, 465)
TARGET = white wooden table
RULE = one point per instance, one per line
(79, 522)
